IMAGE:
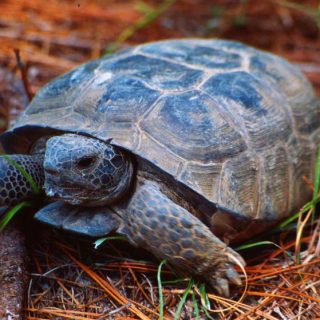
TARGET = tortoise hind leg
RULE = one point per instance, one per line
(170, 232)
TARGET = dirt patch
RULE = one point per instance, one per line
(13, 273)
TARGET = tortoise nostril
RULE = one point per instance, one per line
(86, 162)
(52, 171)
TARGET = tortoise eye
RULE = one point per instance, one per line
(86, 162)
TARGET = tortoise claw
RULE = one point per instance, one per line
(221, 285)
(221, 277)
(233, 276)
(224, 272)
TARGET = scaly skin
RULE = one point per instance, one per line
(153, 221)
(13, 184)
(148, 217)
(85, 171)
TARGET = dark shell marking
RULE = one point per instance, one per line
(236, 125)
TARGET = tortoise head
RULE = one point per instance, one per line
(85, 171)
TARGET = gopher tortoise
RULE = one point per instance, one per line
(183, 146)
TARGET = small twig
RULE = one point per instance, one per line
(23, 71)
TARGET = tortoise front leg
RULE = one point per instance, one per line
(170, 232)
(93, 221)
(14, 186)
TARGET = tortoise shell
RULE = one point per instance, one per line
(236, 125)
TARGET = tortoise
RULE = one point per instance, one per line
(183, 146)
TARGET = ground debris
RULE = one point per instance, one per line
(13, 273)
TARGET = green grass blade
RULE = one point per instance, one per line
(100, 241)
(183, 300)
(203, 293)
(315, 197)
(195, 307)
(149, 16)
(295, 217)
(33, 184)
(161, 303)
(256, 244)
(175, 281)
(8, 216)
(205, 301)
(291, 219)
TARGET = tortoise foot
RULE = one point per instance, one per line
(225, 273)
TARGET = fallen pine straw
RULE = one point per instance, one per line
(68, 288)
(109, 289)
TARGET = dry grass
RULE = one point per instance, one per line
(74, 283)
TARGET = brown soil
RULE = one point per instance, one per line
(13, 272)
